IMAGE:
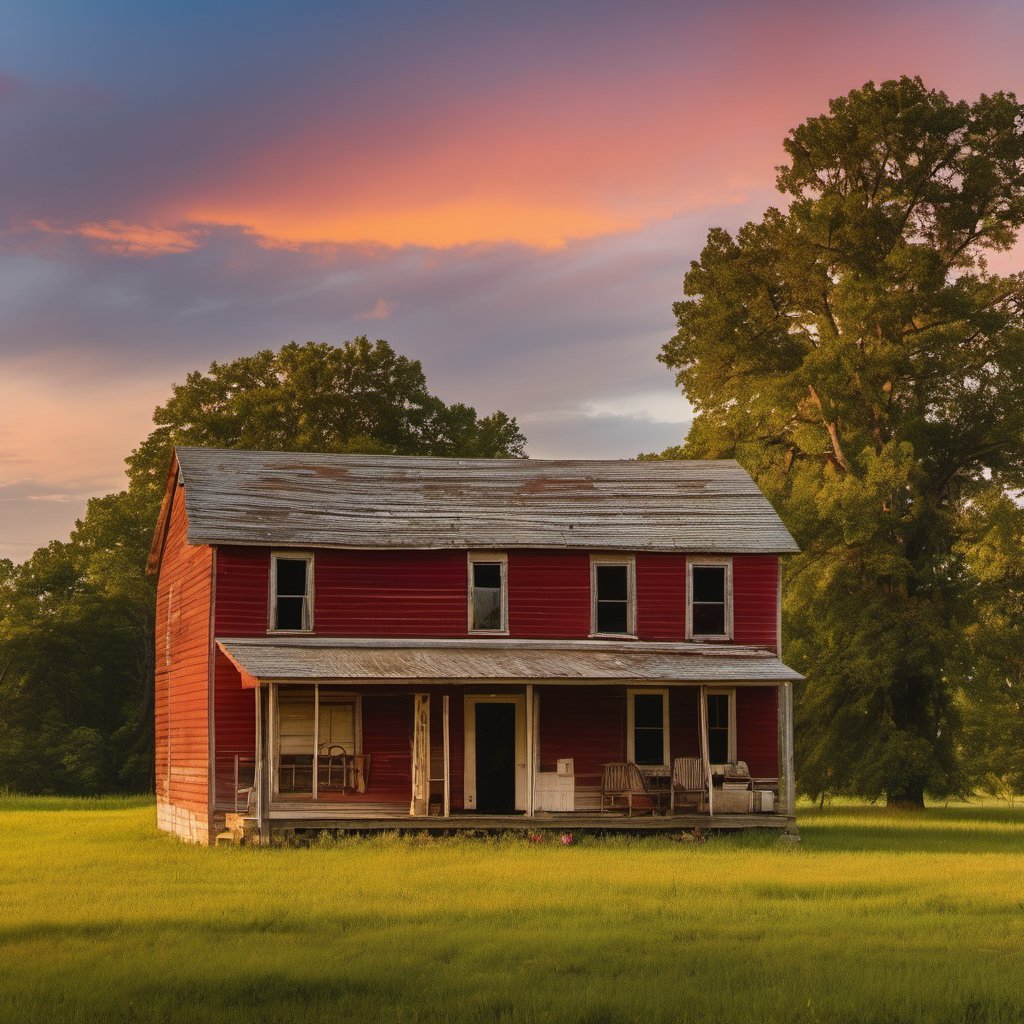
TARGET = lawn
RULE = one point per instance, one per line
(874, 917)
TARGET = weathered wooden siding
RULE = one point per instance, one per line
(755, 596)
(757, 731)
(424, 594)
(234, 728)
(684, 721)
(587, 724)
(549, 594)
(661, 597)
(183, 649)
(391, 593)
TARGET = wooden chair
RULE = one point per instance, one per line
(688, 780)
(623, 780)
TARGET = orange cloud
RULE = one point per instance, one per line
(122, 239)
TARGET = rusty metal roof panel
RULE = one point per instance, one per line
(304, 659)
(371, 501)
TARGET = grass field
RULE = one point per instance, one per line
(875, 917)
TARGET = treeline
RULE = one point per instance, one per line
(76, 619)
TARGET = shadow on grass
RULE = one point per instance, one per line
(955, 829)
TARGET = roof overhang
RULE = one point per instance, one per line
(266, 660)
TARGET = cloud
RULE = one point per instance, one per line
(381, 311)
(121, 239)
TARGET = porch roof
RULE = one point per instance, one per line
(307, 659)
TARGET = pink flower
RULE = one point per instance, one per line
(536, 837)
(566, 838)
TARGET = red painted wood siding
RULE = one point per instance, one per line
(549, 594)
(183, 645)
(587, 724)
(424, 594)
(661, 596)
(757, 729)
(755, 580)
(234, 728)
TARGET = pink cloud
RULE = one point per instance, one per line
(123, 239)
(381, 311)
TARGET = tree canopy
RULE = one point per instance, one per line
(857, 354)
(76, 619)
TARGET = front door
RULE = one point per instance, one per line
(494, 766)
(496, 758)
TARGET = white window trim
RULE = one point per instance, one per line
(307, 608)
(631, 730)
(629, 561)
(730, 692)
(726, 563)
(490, 557)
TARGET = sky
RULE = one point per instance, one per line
(510, 193)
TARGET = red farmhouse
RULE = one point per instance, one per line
(355, 642)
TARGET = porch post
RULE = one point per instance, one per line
(262, 766)
(789, 776)
(420, 755)
(529, 750)
(447, 757)
(704, 755)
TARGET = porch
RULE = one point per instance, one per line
(346, 754)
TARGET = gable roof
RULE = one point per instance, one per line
(382, 501)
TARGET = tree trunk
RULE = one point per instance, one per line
(908, 798)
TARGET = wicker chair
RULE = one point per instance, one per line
(623, 780)
(688, 780)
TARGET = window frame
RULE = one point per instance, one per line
(488, 558)
(307, 607)
(730, 692)
(274, 730)
(629, 561)
(647, 691)
(699, 561)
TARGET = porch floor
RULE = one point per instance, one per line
(589, 821)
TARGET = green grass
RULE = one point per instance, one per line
(876, 917)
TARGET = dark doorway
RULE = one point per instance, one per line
(496, 758)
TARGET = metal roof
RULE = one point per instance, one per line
(305, 659)
(373, 501)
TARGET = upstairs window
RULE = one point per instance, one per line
(488, 593)
(709, 608)
(291, 593)
(613, 596)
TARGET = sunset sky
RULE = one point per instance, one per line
(510, 193)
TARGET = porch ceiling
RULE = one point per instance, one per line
(306, 659)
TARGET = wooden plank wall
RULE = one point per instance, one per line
(183, 644)
(424, 594)
(755, 593)
(757, 730)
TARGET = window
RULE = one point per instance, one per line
(488, 593)
(709, 599)
(613, 596)
(721, 726)
(316, 728)
(291, 593)
(647, 722)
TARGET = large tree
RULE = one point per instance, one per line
(856, 353)
(76, 619)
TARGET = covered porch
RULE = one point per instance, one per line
(497, 735)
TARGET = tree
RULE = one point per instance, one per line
(76, 620)
(860, 359)
(359, 397)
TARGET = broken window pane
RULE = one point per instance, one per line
(487, 595)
